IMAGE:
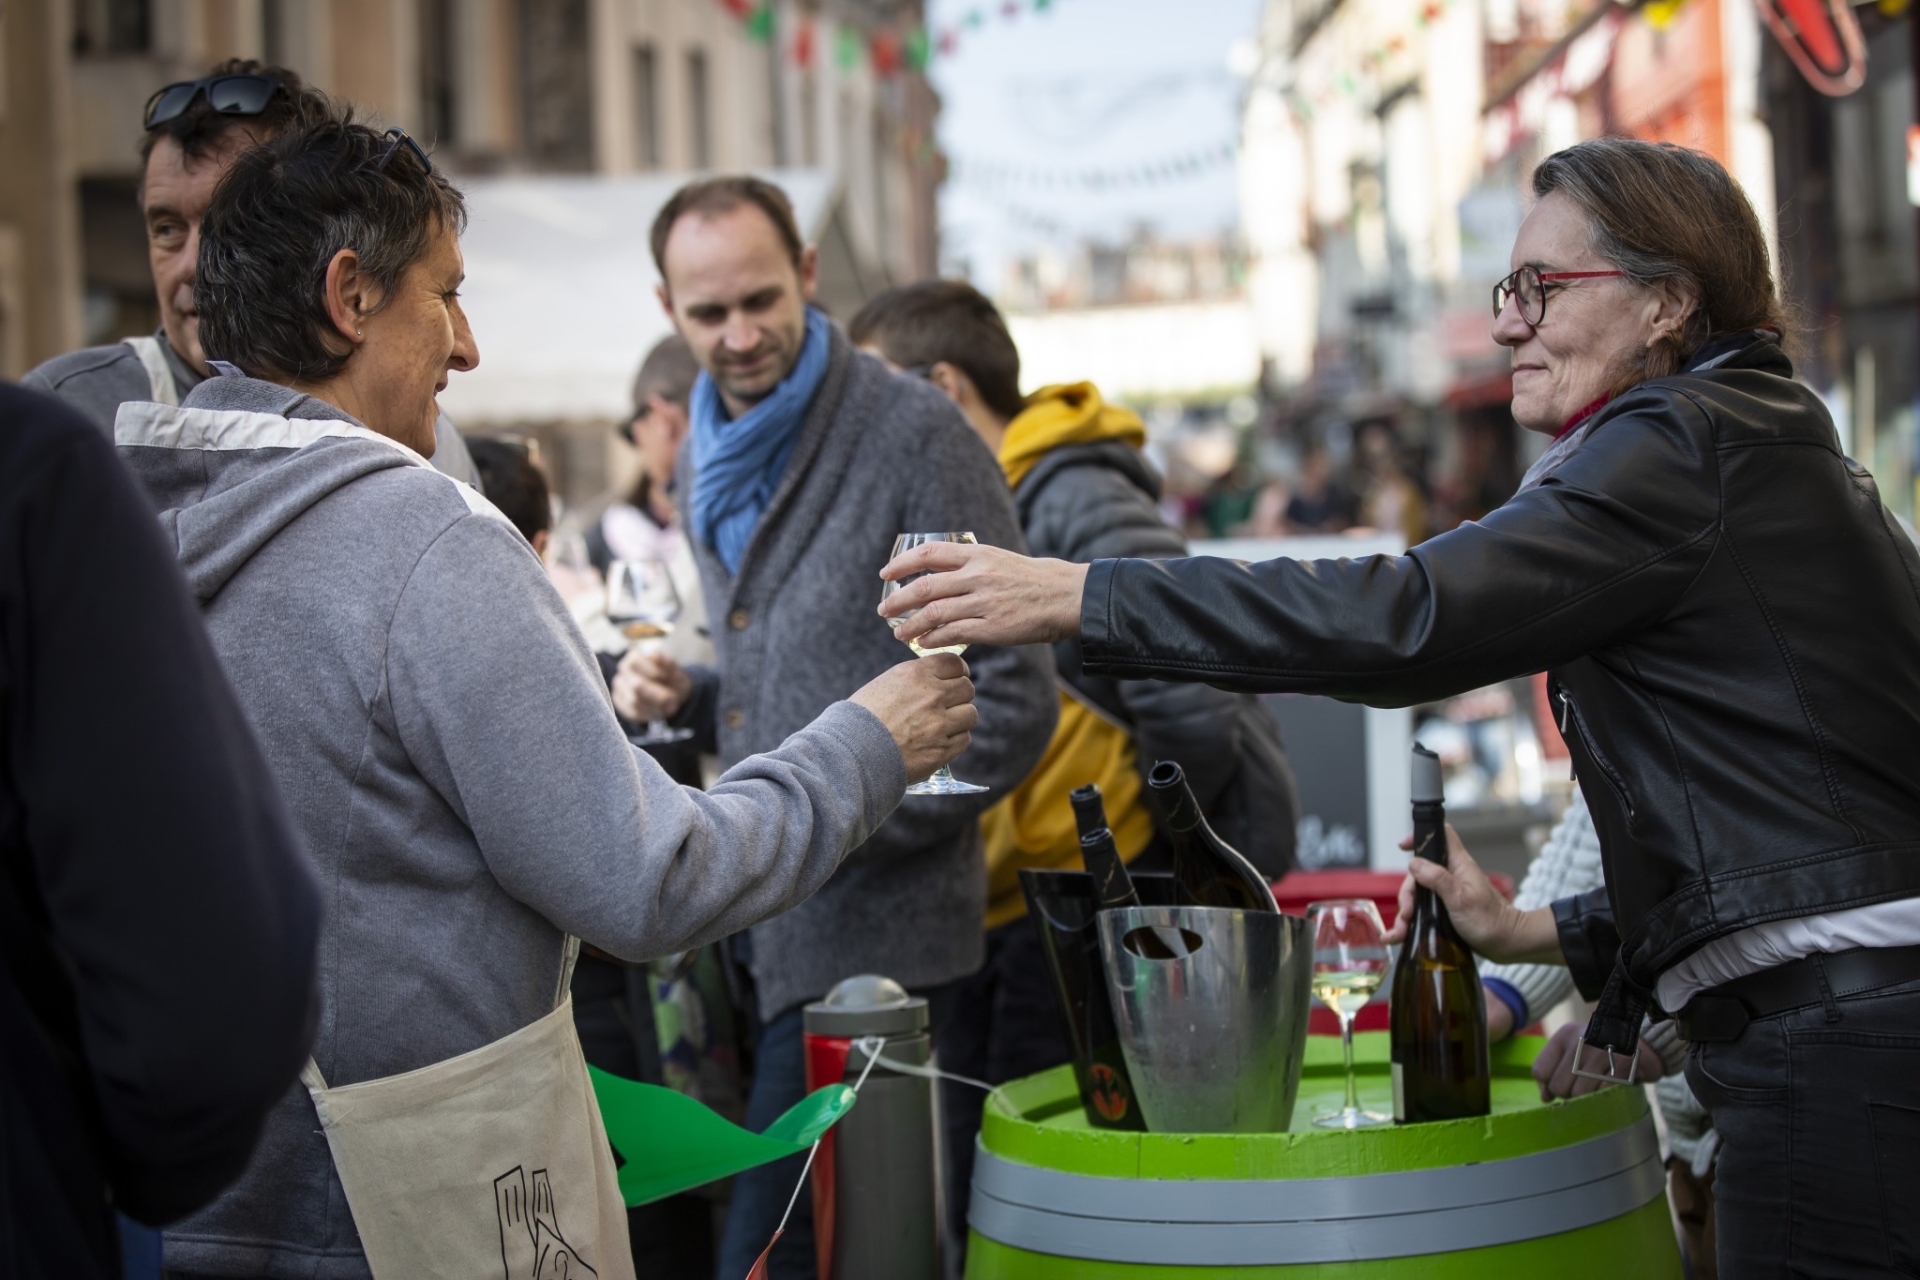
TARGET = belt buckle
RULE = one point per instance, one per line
(1610, 1076)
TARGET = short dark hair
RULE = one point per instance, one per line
(200, 130)
(709, 196)
(512, 483)
(951, 321)
(278, 218)
(668, 372)
(1661, 212)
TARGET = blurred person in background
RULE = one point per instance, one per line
(444, 738)
(158, 920)
(806, 460)
(1083, 491)
(194, 129)
(613, 1005)
(1730, 619)
(1390, 498)
(510, 481)
(645, 523)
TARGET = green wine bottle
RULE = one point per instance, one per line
(1438, 1013)
(1207, 871)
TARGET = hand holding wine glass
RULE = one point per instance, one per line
(941, 782)
(642, 604)
(1349, 964)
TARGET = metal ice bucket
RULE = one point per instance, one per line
(1213, 1039)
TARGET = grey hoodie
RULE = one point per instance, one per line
(452, 762)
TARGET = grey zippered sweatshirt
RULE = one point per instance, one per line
(452, 763)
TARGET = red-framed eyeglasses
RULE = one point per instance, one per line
(1528, 287)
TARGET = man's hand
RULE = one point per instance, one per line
(1553, 1069)
(1487, 922)
(927, 705)
(650, 686)
(983, 595)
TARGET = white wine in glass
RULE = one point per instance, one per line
(1349, 964)
(642, 604)
(941, 782)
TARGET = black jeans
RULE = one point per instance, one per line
(1818, 1111)
(1004, 1024)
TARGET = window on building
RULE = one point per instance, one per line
(646, 108)
(437, 114)
(102, 27)
(699, 110)
(556, 77)
(273, 32)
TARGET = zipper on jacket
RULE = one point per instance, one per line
(1569, 712)
(1566, 705)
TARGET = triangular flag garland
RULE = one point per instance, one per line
(889, 50)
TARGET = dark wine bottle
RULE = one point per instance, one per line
(1207, 871)
(1438, 1011)
(1112, 886)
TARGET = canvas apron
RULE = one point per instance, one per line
(491, 1164)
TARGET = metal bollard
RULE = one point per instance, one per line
(876, 1185)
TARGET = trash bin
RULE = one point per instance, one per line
(1214, 1038)
(1573, 1189)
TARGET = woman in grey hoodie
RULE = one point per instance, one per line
(435, 719)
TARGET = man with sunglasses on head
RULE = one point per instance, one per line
(194, 131)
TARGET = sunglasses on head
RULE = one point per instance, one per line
(400, 137)
(244, 94)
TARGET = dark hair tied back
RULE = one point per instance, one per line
(1664, 214)
(277, 220)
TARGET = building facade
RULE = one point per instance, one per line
(614, 87)
(1387, 147)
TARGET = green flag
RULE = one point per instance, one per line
(671, 1143)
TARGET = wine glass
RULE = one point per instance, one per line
(642, 604)
(941, 782)
(1349, 964)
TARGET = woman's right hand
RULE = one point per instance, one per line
(1486, 921)
(927, 705)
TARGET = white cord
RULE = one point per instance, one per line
(871, 1046)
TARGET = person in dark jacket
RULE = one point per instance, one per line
(1731, 621)
(157, 918)
(1083, 492)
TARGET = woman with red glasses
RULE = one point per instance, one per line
(1730, 620)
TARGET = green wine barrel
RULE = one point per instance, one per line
(1570, 1189)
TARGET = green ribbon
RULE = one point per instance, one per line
(672, 1143)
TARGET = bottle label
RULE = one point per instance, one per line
(1399, 1093)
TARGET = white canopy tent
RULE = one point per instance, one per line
(560, 289)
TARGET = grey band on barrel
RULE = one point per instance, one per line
(1264, 1223)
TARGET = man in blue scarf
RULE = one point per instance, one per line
(805, 459)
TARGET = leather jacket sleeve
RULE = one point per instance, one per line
(1602, 549)
(1588, 938)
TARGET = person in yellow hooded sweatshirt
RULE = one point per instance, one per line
(1083, 491)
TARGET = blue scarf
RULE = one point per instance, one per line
(738, 461)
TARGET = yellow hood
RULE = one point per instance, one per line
(1066, 413)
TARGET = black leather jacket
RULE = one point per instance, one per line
(1730, 620)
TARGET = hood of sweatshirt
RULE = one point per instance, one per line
(240, 459)
(1065, 414)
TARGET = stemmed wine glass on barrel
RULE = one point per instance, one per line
(642, 604)
(941, 782)
(1349, 964)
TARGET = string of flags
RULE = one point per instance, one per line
(1178, 168)
(888, 50)
(1347, 83)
